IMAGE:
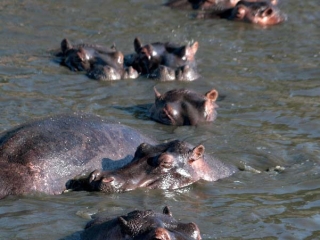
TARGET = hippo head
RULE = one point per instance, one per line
(259, 12)
(170, 165)
(104, 73)
(76, 59)
(147, 225)
(184, 107)
(180, 56)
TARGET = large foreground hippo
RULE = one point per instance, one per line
(41, 156)
(146, 225)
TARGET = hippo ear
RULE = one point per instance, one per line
(165, 161)
(167, 211)
(157, 94)
(197, 153)
(137, 45)
(212, 95)
(119, 57)
(124, 225)
(65, 45)
(82, 54)
(194, 48)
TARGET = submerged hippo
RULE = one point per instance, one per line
(209, 4)
(261, 12)
(99, 62)
(169, 165)
(146, 225)
(164, 61)
(43, 155)
(184, 107)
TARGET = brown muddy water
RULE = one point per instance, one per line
(270, 115)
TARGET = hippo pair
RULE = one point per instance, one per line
(261, 12)
(99, 62)
(162, 61)
(147, 225)
(55, 153)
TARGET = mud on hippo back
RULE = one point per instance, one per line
(147, 225)
(42, 155)
(164, 61)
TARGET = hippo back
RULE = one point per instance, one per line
(43, 155)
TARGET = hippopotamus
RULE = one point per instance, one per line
(261, 12)
(184, 107)
(208, 4)
(43, 155)
(169, 165)
(99, 62)
(164, 61)
(54, 154)
(146, 224)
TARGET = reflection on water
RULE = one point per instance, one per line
(269, 117)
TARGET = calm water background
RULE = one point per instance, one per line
(270, 114)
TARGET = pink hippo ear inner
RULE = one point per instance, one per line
(190, 51)
(157, 94)
(82, 54)
(197, 153)
(212, 95)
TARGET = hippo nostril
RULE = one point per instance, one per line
(268, 12)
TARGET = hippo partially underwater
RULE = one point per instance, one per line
(46, 155)
(147, 225)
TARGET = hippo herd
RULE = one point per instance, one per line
(83, 152)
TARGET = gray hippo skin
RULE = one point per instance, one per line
(41, 156)
(184, 107)
(146, 225)
(99, 62)
(164, 61)
(261, 12)
(168, 165)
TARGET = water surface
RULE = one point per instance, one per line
(270, 115)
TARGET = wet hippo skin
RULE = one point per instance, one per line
(164, 61)
(52, 154)
(168, 165)
(146, 225)
(42, 155)
(261, 12)
(184, 107)
(100, 63)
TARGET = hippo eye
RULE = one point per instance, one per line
(165, 161)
